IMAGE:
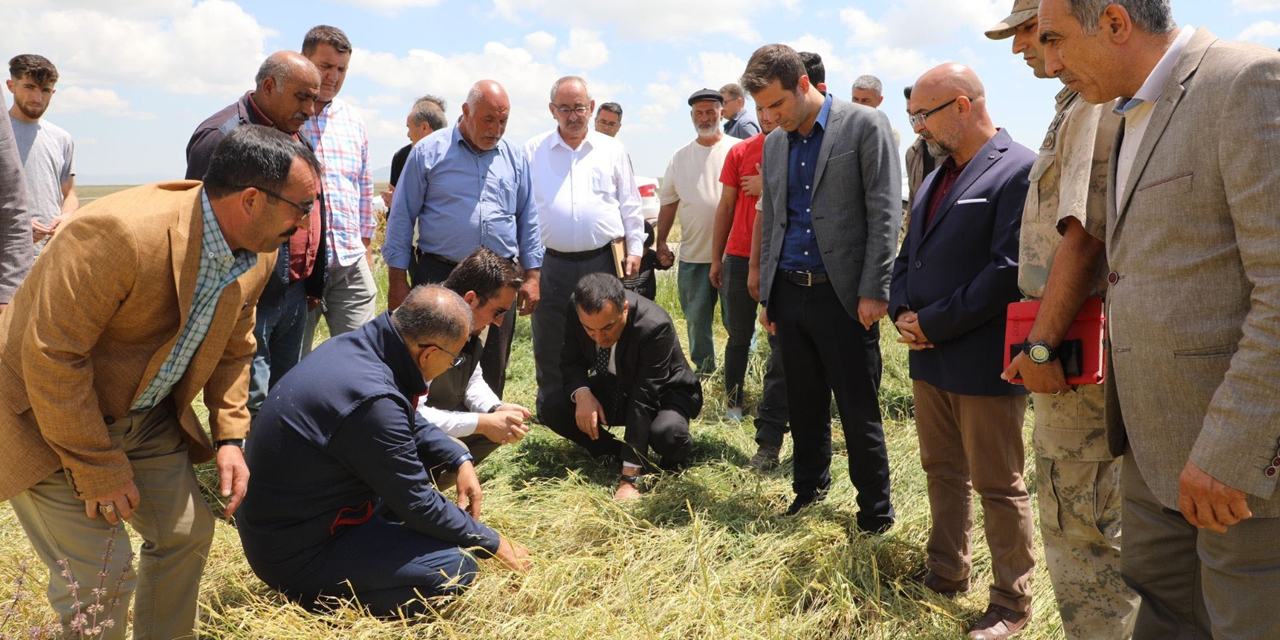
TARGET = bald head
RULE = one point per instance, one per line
(432, 313)
(287, 87)
(484, 115)
(948, 108)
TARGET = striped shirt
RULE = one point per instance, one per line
(219, 266)
(338, 135)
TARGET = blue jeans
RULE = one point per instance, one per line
(698, 303)
(280, 328)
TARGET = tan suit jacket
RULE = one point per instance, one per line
(91, 326)
(1194, 249)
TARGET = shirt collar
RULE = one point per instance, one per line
(214, 243)
(253, 104)
(820, 121)
(1153, 87)
(459, 140)
(586, 142)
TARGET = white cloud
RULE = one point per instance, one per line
(1261, 31)
(540, 43)
(911, 23)
(99, 101)
(1255, 6)
(585, 50)
(863, 31)
(718, 69)
(210, 48)
(388, 6)
(667, 20)
(895, 65)
(526, 80)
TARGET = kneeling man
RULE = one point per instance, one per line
(622, 365)
(459, 401)
(331, 455)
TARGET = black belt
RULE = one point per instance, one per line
(438, 258)
(579, 256)
(805, 278)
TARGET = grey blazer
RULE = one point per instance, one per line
(857, 203)
(1194, 304)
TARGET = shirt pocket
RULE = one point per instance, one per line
(1044, 180)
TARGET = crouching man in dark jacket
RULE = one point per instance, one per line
(342, 503)
(622, 365)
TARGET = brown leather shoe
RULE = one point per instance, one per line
(944, 587)
(999, 623)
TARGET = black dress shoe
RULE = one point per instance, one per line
(876, 526)
(804, 500)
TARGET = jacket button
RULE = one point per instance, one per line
(1113, 277)
(1270, 472)
(918, 265)
(109, 419)
(1275, 462)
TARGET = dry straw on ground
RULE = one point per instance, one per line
(704, 554)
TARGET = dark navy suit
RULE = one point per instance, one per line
(959, 272)
(340, 490)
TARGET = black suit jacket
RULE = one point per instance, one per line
(960, 274)
(652, 370)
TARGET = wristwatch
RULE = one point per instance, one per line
(1040, 352)
(235, 442)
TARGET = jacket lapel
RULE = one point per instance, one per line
(1170, 97)
(987, 157)
(185, 257)
(834, 116)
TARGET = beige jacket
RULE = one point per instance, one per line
(92, 324)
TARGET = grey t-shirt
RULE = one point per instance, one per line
(47, 153)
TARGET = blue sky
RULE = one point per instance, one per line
(139, 75)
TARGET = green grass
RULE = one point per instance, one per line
(703, 554)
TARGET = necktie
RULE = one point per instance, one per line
(602, 361)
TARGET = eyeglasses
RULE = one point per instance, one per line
(578, 111)
(304, 208)
(917, 119)
(608, 125)
(458, 360)
(498, 312)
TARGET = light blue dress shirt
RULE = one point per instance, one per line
(460, 198)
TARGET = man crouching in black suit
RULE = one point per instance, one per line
(622, 365)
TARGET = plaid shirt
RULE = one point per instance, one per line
(219, 266)
(338, 136)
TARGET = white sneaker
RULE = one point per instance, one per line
(734, 414)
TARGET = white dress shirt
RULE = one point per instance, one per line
(1137, 112)
(587, 196)
(479, 398)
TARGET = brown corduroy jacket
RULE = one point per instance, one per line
(93, 322)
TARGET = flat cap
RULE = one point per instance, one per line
(705, 94)
(1023, 10)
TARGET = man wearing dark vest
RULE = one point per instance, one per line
(459, 401)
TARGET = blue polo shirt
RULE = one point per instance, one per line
(800, 245)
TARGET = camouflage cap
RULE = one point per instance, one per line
(1023, 10)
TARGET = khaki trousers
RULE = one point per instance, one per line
(175, 524)
(975, 443)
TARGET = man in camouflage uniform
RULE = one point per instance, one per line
(1060, 259)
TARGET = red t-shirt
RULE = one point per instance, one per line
(740, 162)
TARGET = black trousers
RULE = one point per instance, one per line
(497, 345)
(666, 431)
(825, 352)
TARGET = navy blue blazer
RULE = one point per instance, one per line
(960, 274)
(335, 445)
